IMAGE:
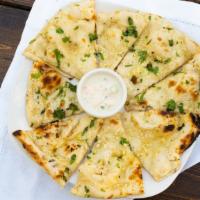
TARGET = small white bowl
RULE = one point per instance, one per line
(89, 108)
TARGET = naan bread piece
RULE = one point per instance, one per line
(159, 140)
(117, 32)
(67, 42)
(160, 50)
(178, 92)
(111, 170)
(50, 96)
(58, 147)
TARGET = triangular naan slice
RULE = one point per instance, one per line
(59, 147)
(178, 92)
(117, 31)
(111, 169)
(159, 140)
(160, 50)
(50, 96)
(67, 41)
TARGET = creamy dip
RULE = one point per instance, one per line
(101, 93)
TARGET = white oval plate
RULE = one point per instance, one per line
(16, 79)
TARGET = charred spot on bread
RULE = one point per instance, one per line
(17, 133)
(195, 119)
(188, 141)
(169, 128)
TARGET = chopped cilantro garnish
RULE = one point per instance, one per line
(129, 65)
(59, 113)
(92, 123)
(181, 108)
(87, 55)
(152, 69)
(59, 31)
(66, 39)
(142, 56)
(99, 55)
(73, 159)
(140, 97)
(72, 87)
(33, 40)
(36, 75)
(171, 43)
(73, 107)
(76, 28)
(123, 141)
(149, 17)
(130, 31)
(171, 105)
(59, 56)
(167, 60)
(93, 36)
(130, 21)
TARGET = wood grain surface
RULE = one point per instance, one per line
(13, 15)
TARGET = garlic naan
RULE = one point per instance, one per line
(50, 96)
(160, 50)
(59, 147)
(111, 169)
(159, 139)
(67, 42)
(117, 32)
(178, 92)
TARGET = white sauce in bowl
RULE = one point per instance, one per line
(102, 93)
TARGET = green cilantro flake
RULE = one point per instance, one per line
(87, 55)
(130, 21)
(130, 31)
(59, 113)
(99, 55)
(66, 39)
(73, 159)
(128, 65)
(181, 108)
(73, 107)
(59, 31)
(142, 56)
(140, 97)
(36, 75)
(76, 28)
(171, 43)
(92, 37)
(32, 41)
(152, 69)
(167, 60)
(59, 56)
(72, 87)
(123, 141)
(171, 105)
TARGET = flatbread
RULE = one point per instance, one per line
(50, 96)
(159, 139)
(160, 50)
(179, 92)
(117, 31)
(111, 170)
(66, 42)
(59, 147)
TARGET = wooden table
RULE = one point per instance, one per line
(13, 14)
